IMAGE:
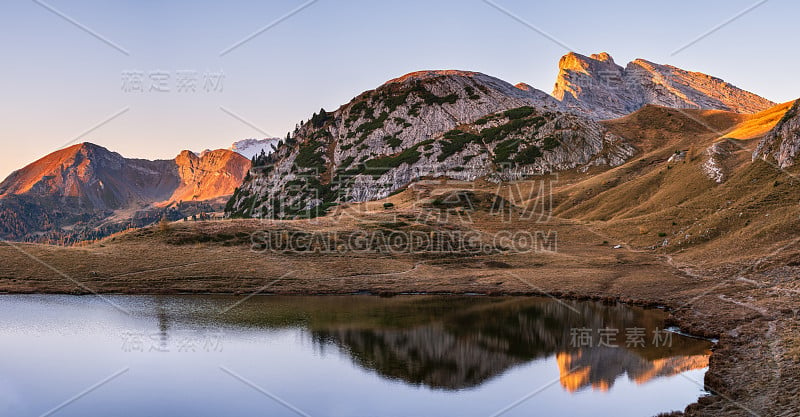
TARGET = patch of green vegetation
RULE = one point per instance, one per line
(471, 93)
(392, 141)
(368, 127)
(528, 155)
(414, 110)
(396, 100)
(503, 151)
(494, 134)
(310, 155)
(388, 205)
(519, 113)
(230, 204)
(429, 98)
(319, 120)
(455, 141)
(379, 166)
(348, 161)
(356, 110)
(550, 143)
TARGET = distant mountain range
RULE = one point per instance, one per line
(86, 191)
(454, 124)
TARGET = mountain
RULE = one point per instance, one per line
(457, 124)
(208, 176)
(87, 191)
(598, 85)
(249, 148)
(92, 178)
(782, 144)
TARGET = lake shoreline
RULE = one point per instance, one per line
(754, 324)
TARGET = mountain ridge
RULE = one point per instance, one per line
(598, 85)
(86, 185)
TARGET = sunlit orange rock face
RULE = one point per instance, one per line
(103, 180)
(86, 184)
(600, 367)
(93, 178)
(209, 175)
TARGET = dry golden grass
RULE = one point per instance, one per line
(757, 125)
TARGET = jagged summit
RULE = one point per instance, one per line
(602, 56)
(597, 85)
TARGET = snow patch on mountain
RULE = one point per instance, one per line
(249, 148)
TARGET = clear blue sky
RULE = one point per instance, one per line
(59, 81)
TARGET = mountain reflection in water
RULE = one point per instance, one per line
(456, 343)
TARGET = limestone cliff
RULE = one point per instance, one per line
(597, 85)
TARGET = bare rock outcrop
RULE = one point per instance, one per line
(605, 90)
(782, 144)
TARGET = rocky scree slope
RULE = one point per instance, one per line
(453, 124)
(597, 85)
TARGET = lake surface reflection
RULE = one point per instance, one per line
(340, 356)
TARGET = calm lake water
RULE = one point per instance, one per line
(340, 356)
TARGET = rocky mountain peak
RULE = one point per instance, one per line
(605, 90)
(428, 74)
(213, 174)
(524, 87)
(603, 57)
(73, 190)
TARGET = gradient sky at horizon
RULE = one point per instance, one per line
(60, 81)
